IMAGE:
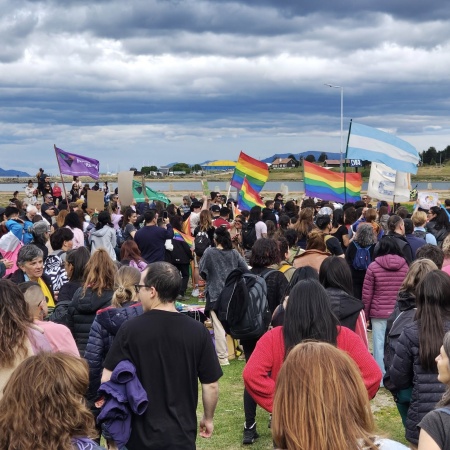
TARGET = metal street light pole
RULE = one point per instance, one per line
(342, 120)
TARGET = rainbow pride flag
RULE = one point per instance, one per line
(179, 236)
(256, 173)
(328, 185)
(248, 197)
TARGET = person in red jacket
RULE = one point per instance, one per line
(383, 280)
(308, 316)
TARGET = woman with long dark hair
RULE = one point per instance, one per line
(435, 426)
(336, 278)
(128, 224)
(104, 235)
(320, 403)
(308, 316)
(438, 224)
(413, 364)
(75, 263)
(73, 222)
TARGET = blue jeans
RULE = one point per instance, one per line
(378, 333)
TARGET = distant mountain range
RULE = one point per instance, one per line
(13, 173)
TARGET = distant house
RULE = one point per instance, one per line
(282, 163)
(335, 163)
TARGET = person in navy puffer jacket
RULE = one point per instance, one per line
(417, 347)
(107, 322)
(382, 282)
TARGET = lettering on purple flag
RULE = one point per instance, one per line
(77, 165)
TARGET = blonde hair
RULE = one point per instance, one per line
(43, 405)
(99, 273)
(321, 402)
(205, 220)
(446, 247)
(124, 281)
(419, 218)
(417, 271)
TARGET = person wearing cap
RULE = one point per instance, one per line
(215, 211)
(222, 220)
(31, 268)
(48, 209)
(323, 223)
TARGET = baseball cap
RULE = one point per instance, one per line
(215, 208)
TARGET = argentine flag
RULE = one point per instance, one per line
(377, 146)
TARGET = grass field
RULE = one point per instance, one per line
(229, 417)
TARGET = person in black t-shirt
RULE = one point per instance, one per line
(323, 222)
(171, 352)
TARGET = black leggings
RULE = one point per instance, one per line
(249, 403)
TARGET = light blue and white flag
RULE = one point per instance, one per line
(377, 146)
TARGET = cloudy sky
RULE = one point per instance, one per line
(156, 81)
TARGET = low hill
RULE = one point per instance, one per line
(13, 173)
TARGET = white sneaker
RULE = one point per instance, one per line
(195, 292)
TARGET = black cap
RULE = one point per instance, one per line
(215, 208)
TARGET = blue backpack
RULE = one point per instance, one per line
(362, 258)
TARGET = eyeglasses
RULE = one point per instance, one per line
(138, 287)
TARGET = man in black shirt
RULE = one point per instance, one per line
(171, 352)
(48, 209)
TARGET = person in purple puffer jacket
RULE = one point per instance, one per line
(382, 282)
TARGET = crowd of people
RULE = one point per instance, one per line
(91, 300)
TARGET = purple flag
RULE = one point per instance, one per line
(72, 164)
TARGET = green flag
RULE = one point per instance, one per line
(139, 195)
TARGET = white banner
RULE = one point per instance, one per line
(388, 184)
(427, 199)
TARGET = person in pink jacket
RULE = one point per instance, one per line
(382, 282)
(308, 316)
(59, 336)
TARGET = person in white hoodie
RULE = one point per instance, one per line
(104, 235)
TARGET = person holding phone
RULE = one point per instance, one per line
(151, 238)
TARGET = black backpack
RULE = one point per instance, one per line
(242, 306)
(248, 235)
(362, 257)
(201, 243)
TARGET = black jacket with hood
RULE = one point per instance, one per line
(82, 311)
(345, 307)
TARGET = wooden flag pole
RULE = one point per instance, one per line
(62, 179)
